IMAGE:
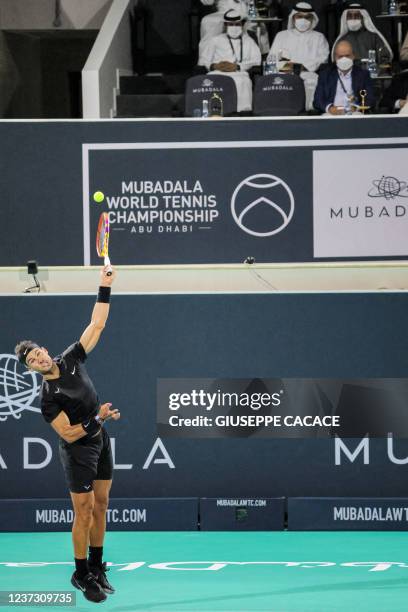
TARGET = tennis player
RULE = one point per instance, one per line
(70, 404)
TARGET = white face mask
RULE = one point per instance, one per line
(302, 25)
(344, 63)
(234, 31)
(354, 25)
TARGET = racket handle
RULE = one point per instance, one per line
(107, 262)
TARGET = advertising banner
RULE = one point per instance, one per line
(322, 350)
(348, 513)
(219, 202)
(128, 514)
(186, 192)
(360, 202)
(242, 514)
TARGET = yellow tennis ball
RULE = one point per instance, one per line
(98, 196)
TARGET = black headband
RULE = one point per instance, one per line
(23, 356)
(230, 19)
(354, 6)
(303, 10)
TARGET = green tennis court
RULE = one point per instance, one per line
(223, 571)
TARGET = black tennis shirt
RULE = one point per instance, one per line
(73, 392)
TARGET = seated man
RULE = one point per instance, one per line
(340, 86)
(320, 7)
(213, 24)
(301, 44)
(233, 54)
(357, 27)
(395, 96)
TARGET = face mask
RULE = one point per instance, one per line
(234, 31)
(354, 25)
(302, 25)
(344, 63)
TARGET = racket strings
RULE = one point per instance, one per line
(102, 237)
(102, 243)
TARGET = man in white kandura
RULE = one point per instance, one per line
(357, 28)
(301, 44)
(213, 24)
(233, 54)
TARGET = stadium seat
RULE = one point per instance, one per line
(202, 87)
(279, 94)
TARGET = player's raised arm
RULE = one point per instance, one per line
(100, 312)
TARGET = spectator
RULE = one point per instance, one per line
(395, 96)
(233, 54)
(339, 87)
(300, 44)
(213, 24)
(357, 27)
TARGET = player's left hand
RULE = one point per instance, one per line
(106, 281)
(106, 413)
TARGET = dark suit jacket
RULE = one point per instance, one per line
(398, 90)
(327, 87)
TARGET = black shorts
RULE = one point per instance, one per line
(86, 460)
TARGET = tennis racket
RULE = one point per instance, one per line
(102, 241)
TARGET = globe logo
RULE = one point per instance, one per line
(388, 187)
(18, 388)
(262, 205)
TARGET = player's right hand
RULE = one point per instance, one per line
(105, 412)
(106, 281)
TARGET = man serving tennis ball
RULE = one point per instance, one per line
(70, 404)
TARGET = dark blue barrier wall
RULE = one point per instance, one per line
(50, 170)
(352, 513)
(148, 514)
(204, 336)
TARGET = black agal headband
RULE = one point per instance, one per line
(232, 17)
(303, 7)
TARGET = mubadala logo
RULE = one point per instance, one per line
(18, 389)
(389, 187)
(277, 84)
(262, 205)
(208, 83)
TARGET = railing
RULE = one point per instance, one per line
(110, 53)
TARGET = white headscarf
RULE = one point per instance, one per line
(368, 24)
(301, 7)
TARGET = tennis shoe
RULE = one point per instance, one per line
(89, 586)
(100, 575)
